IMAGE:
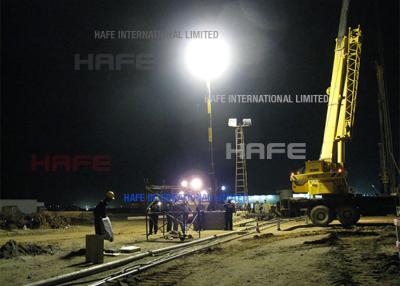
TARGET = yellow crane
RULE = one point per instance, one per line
(324, 180)
(327, 176)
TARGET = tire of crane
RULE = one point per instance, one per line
(347, 215)
(321, 215)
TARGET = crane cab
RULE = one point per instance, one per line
(319, 177)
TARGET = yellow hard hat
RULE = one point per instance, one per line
(110, 195)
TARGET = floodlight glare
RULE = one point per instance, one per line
(207, 59)
(246, 122)
(184, 183)
(181, 193)
(204, 193)
(232, 122)
(196, 184)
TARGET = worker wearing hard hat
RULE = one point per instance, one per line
(100, 212)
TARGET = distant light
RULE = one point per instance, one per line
(159, 203)
(184, 183)
(340, 170)
(207, 59)
(204, 193)
(223, 188)
(196, 184)
(305, 196)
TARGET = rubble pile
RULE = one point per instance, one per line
(13, 249)
(37, 220)
(45, 220)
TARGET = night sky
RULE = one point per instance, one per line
(153, 123)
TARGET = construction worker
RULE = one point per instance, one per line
(261, 211)
(248, 207)
(267, 208)
(168, 209)
(176, 212)
(181, 212)
(100, 212)
(154, 209)
(186, 211)
(184, 208)
(229, 210)
(200, 208)
(257, 207)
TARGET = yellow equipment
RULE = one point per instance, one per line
(327, 176)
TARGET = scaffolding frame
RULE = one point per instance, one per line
(160, 191)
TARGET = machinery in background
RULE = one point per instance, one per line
(387, 161)
(324, 180)
(386, 157)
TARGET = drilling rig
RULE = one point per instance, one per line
(324, 180)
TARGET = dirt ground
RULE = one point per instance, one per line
(297, 255)
(26, 269)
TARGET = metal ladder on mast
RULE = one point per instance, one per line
(241, 188)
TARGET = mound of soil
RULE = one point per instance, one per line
(45, 220)
(36, 220)
(13, 249)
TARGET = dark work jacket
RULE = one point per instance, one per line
(168, 207)
(154, 207)
(100, 210)
(229, 208)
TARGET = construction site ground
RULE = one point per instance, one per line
(299, 254)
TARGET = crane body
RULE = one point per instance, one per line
(324, 180)
(327, 175)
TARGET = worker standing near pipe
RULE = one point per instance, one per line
(229, 210)
(200, 208)
(154, 209)
(170, 218)
(100, 212)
